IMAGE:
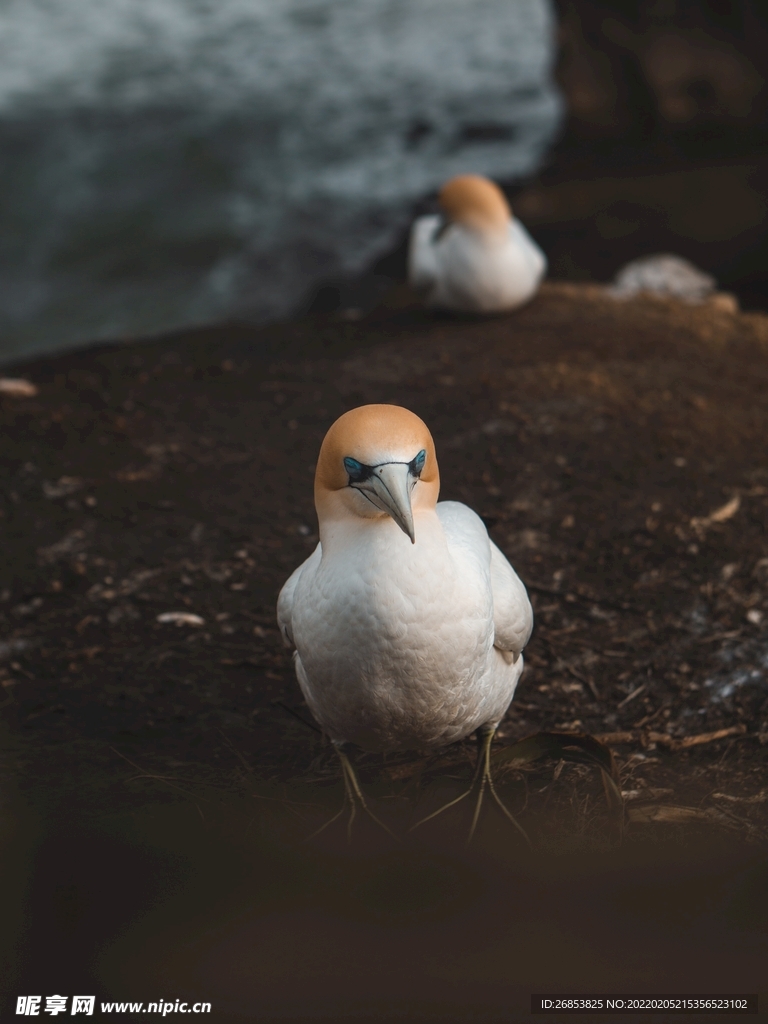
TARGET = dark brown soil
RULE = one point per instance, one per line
(603, 442)
(594, 437)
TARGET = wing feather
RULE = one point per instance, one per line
(422, 259)
(512, 612)
(285, 600)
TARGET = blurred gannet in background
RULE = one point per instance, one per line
(408, 622)
(474, 257)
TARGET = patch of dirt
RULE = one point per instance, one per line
(616, 450)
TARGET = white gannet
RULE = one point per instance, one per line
(408, 622)
(475, 257)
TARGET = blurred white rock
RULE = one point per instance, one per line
(180, 619)
(17, 387)
(172, 162)
(663, 274)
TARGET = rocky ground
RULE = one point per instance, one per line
(616, 451)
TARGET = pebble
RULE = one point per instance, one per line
(180, 619)
(17, 387)
(663, 274)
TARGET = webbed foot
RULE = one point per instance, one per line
(353, 797)
(483, 780)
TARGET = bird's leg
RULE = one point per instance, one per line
(482, 779)
(353, 795)
(484, 739)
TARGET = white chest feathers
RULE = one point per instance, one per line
(403, 646)
(464, 269)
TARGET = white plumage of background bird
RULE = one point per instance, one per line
(408, 622)
(475, 257)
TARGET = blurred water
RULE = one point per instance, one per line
(169, 162)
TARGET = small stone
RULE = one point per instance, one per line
(17, 387)
(663, 274)
(180, 619)
(724, 302)
(64, 486)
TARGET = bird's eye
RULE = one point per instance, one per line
(417, 464)
(356, 470)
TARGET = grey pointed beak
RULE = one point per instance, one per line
(389, 488)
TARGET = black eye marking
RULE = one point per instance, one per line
(417, 465)
(440, 229)
(358, 472)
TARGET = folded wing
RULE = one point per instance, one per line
(285, 600)
(512, 612)
(423, 269)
